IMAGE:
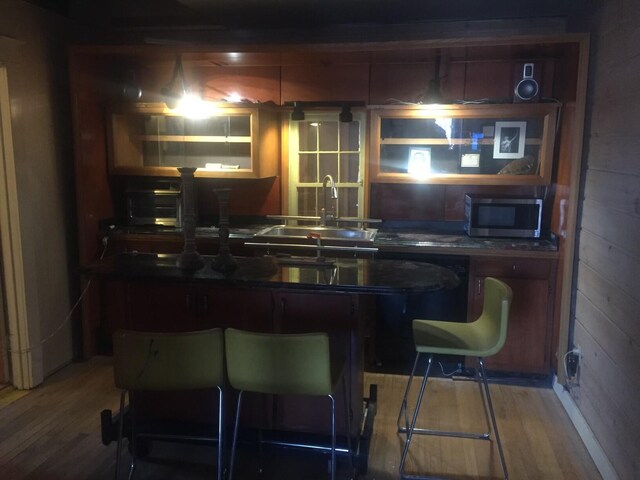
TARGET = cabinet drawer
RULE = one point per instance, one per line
(512, 267)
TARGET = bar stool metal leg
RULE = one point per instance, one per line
(405, 451)
(347, 417)
(120, 429)
(235, 436)
(493, 418)
(134, 452)
(333, 437)
(484, 401)
(220, 437)
(403, 407)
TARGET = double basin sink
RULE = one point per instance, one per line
(319, 239)
(326, 234)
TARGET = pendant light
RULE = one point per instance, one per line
(175, 90)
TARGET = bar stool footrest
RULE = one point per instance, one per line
(443, 433)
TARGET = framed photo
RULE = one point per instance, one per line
(419, 164)
(509, 139)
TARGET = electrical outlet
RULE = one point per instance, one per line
(573, 361)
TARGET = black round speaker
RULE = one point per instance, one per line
(527, 88)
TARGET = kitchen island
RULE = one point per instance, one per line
(148, 292)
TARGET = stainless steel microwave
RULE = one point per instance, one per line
(158, 204)
(502, 216)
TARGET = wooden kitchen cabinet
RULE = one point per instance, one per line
(488, 144)
(338, 315)
(527, 348)
(235, 142)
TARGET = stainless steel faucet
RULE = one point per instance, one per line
(327, 182)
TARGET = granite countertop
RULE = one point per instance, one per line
(387, 239)
(414, 240)
(244, 232)
(346, 275)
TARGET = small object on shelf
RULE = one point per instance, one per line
(221, 166)
(526, 165)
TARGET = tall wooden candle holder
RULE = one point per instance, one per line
(189, 259)
(224, 261)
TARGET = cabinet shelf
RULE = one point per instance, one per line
(503, 144)
(193, 138)
(237, 142)
(444, 141)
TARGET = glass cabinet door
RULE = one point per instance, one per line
(151, 140)
(478, 144)
(222, 142)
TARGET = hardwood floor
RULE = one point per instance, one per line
(53, 433)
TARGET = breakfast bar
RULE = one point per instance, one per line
(148, 292)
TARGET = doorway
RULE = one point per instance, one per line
(4, 367)
(4, 364)
(16, 353)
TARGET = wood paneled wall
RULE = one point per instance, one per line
(607, 318)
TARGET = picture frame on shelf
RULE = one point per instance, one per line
(509, 139)
(419, 162)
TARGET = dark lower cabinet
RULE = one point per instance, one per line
(527, 348)
(337, 314)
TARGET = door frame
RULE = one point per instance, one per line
(19, 353)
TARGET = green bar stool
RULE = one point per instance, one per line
(284, 364)
(481, 338)
(167, 362)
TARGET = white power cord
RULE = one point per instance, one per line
(105, 242)
(450, 374)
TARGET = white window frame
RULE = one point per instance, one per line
(294, 164)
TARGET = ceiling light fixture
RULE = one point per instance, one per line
(434, 95)
(172, 92)
(298, 113)
(345, 115)
(185, 101)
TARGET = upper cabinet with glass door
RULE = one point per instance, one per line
(507, 144)
(150, 139)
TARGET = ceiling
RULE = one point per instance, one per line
(265, 14)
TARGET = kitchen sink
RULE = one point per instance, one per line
(326, 233)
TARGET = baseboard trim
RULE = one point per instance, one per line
(598, 455)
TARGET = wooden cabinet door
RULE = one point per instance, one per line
(162, 307)
(246, 309)
(297, 312)
(242, 308)
(527, 348)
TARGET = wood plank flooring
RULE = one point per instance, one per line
(53, 433)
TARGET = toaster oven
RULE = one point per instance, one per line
(157, 204)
